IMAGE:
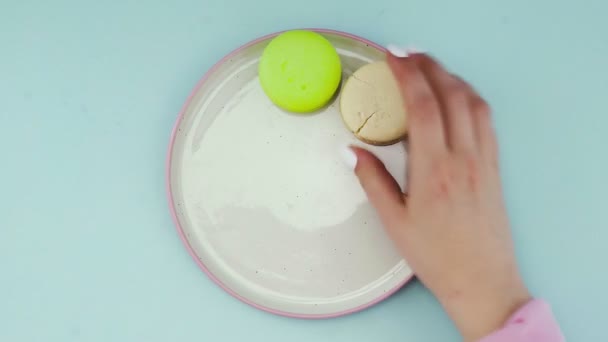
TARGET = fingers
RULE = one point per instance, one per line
(484, 130)
(426, 133)
(381, 188)
(445, 112)
(453, 95)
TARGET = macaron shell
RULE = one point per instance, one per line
(300, 71)
(377, 132)
(372, 107)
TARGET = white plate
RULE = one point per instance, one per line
(264, 203)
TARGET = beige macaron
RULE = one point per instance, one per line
(372, 107)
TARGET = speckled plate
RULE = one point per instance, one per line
(263, 202)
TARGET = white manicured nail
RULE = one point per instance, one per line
(397, 51)
(414, 50)
(349, 157)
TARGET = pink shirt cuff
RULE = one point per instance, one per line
(533, 322)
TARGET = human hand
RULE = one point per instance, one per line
(452, 226)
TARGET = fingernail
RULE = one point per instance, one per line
(396, 51)
(349, 157)
(414, 50)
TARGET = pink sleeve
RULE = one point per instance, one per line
(533, 322)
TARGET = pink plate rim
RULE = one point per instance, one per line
(173, 210)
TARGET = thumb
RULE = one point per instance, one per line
(381, 188)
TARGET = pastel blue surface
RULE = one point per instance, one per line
(89, 91)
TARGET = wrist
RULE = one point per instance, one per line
(482, 309)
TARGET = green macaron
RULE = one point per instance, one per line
(300, 71)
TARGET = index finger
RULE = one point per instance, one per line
(426, 132)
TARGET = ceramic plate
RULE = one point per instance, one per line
(263, 201)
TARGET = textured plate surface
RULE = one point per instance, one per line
(264, 203)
